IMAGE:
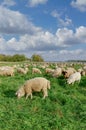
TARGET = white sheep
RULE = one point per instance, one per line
(6, 71)
(49, 70)
(36, 84)
(74, 77)
(36, 70)
(22, 70)
(57, 72)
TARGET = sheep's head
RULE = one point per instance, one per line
(20, 93)
(65, 73)
(69, 81)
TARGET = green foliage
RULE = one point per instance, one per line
(37, 58)
(63, 109)
(22, 57)
(13, 58)
(18, 57)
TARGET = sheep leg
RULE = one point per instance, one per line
(45, 93)
(27, 96)
(31, 95)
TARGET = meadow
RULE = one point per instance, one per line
(63, 109)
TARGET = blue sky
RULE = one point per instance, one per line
(54, 29)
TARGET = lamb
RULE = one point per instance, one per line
(74, 77)
(35, 84)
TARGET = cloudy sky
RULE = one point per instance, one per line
(54, 29)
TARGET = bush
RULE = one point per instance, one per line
(37, 58)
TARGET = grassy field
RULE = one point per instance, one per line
(63, 109)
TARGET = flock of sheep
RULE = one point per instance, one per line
(40, 83)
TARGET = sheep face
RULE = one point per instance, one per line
(20, 93)
(65, 74)
(69, 81)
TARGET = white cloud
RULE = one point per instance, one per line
(32, 39)
(55, 14)
(76, 54)
(51, 46)
(62, 22)
(64, 55)
(33, 3)
(68, 37)
(46, 41)
(2, 44)
(79, 4)
(13, 22)
(81, 34)
(73, 52)
(64, 36)
(8, 3)
(40, 41)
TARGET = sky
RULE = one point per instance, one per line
(53, 29)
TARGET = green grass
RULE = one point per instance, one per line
(63, 109)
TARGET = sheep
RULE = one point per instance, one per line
(22, 70)
(84, 67)
(49, 70)
(35, 84)
(80, 70)
(6, 71)
(74, 77)
(83, 73)
(36, 70)
(57, 72)
(68, 72)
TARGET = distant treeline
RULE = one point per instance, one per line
(13, 58)
(18, 57)
(76, 61)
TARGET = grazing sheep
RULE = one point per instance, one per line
(83, 73)
(22, 70)
(80, 70)
(6, 71)
(36, 70)
(84, 67)
(36, 84)
(74, 77)
(57, 72)
(68, 72)
(49, 70)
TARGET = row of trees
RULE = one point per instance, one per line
(76, 61)
(18, 57)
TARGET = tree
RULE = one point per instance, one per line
(37, 58)
(14, 58)
(18, 57)
(2, 57)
